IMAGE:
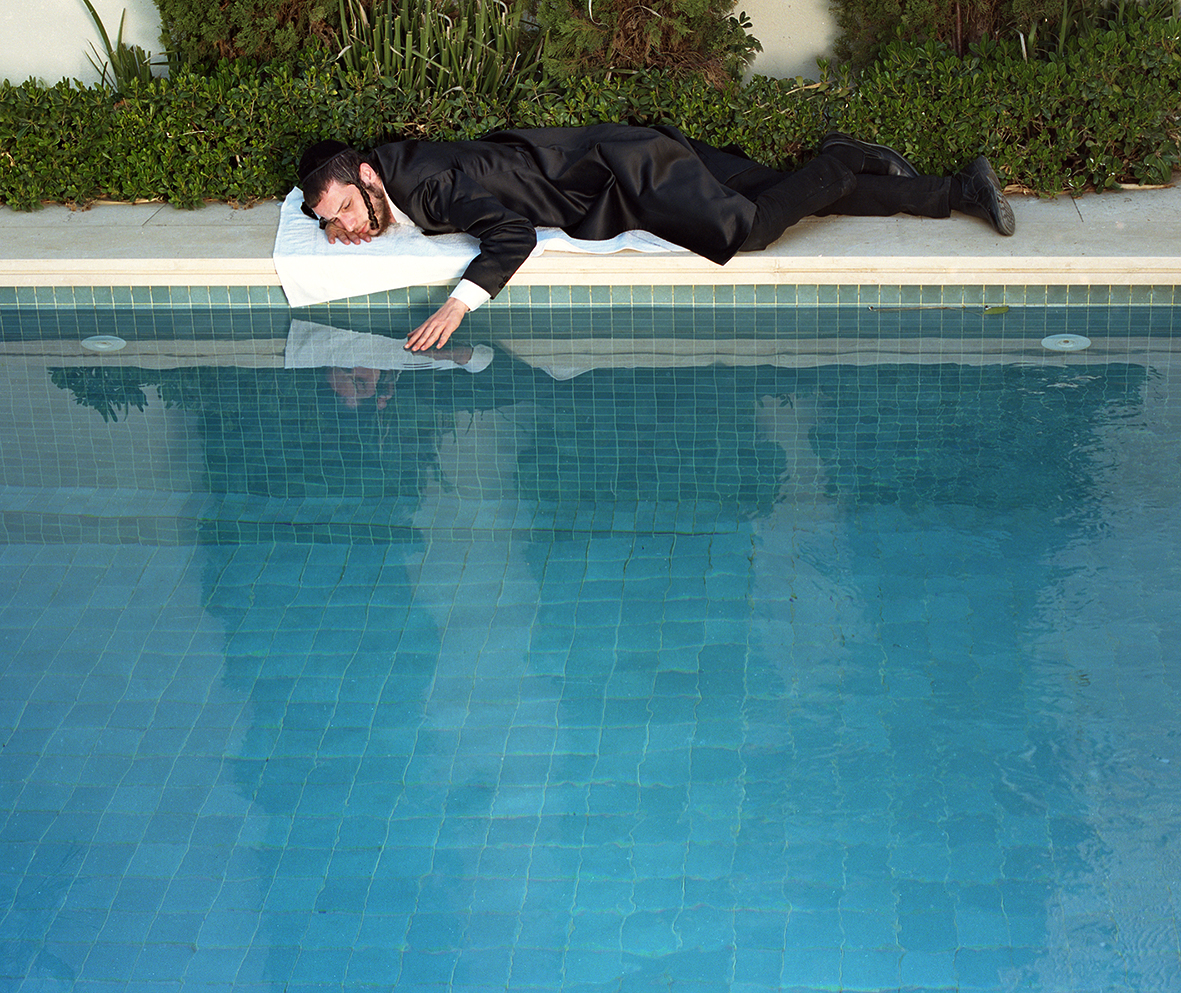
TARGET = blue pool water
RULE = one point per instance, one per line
(831, 674)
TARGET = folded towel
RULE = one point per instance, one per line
(313, 346)
(313, 271)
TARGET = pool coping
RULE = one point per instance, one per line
(1119, 238)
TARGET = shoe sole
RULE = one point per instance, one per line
(1002, 214)
(1003, 219)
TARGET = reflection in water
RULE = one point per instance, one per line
(786, 676)
(918, 435)
(361, 366)
(629, 434)
(991, 436)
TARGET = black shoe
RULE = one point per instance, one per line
(981, 196)
(862, 157)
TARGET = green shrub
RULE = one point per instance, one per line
(1105, 112)
(682, 37)
(1042, 27)
(62, 129)
(200, 33)
(479, 47)
(865, 26)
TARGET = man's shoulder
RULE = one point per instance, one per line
(394, 148)
(395, 157)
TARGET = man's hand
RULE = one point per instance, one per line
(438, 328)
(337, 233)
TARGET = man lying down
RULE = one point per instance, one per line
(598, 182)
(360, 366)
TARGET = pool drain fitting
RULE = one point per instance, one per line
(103, 343)
(1066, 342)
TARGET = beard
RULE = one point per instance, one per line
(380, 217)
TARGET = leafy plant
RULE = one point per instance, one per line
(201, 33)
(482, 48)
(1042, 27)
(684, 37)
(1103, 113)
(124, 62)
(1042, 36)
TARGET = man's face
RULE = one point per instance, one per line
(355, 385)
(344, 204)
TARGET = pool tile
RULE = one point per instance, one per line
(640, 731)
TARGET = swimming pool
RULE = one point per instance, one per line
(694, 648)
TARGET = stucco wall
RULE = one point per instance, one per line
(793, 32)
(50, 39)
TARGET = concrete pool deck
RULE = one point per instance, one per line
(1118, 238)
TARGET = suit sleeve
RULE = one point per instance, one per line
(452, 201)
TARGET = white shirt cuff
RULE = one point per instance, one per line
(470, 295)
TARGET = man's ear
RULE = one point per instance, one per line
(369, 176)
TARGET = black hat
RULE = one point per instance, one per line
(319, 155)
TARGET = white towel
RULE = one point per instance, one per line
(313, 346)
(313, 271)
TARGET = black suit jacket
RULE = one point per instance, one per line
(594, 183)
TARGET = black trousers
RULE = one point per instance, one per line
(824, 186)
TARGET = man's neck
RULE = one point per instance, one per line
(399, 215)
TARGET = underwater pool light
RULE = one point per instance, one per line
(103, 343)
(1066, 342)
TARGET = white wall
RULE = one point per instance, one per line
(49, 39)
(793, 32)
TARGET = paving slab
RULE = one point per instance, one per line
(1120, 238)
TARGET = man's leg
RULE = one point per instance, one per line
(873, 195)
(780, 198)
(816, 191)
(832, 183)
(734, 170)
(974, 191)
(847, 178)
(884, 196)
(821, 183)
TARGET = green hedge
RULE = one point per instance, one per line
(1106, 112)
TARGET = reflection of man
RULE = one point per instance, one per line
(601, 181)
(361, 366)
(361, 382)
